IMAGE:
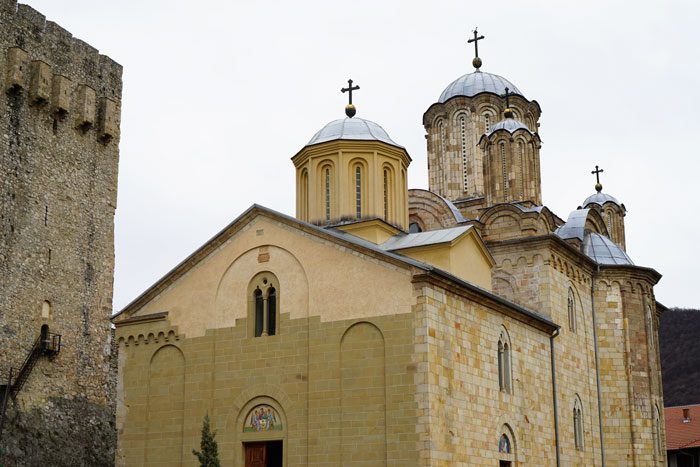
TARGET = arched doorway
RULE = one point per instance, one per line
(263, 434)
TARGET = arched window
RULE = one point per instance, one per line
(388, 189)
(658, 450)
(521, 158)
(259, 312)
(578, 424)
(264, 305)
(504, 444)
(304, 196)
(441, 132)
(327, 192)
(271, 311)
(358, 192)
(487, 122)
(463, 140)
(505, 376)
(571, 308)
(414, 227)
(502, 148)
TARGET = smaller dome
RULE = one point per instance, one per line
(352, 129)
(602, 250)
(471, 84)
(600, 199)
(510, 125)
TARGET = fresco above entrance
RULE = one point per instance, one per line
(262, 418)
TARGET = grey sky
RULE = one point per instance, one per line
(219, 95)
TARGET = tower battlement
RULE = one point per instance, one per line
(60, 103)
(59, 73)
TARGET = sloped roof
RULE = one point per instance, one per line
(431, 237)
(212, 244)
(682, 433)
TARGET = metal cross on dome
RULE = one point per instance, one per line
(349, 90)
(350, 109)
(477, 61)
(597, 173)
(507, 96)
(476, 40)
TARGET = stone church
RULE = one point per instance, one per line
(466, 324)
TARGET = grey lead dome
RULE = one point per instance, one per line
(600, 199)
(477, 82)
(352, 129)
(510, 125)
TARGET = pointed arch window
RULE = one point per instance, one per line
(571, 309)
(578, 424)
(358, 192)
(263, 314)
(504, 363)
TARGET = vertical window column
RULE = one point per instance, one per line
(358, 192)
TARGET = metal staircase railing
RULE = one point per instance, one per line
(46, 344)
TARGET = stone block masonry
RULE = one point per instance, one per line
(60, 106)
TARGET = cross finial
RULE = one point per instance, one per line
(508, 113)
(350, 109)
(477, 61)
(597, 172)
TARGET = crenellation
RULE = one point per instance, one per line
(30, 19)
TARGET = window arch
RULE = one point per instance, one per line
(388, 191)
(505, 374)
(571, 309)
(487, 122)
(263, 305)
(578, 423)
(504, 172)
(358, 191)
(304, 196)
(658, 447)
(326, 188)
(463, 146)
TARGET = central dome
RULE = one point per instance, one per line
(352, 129)
(471, 84)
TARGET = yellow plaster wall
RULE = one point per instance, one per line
(374, 231)
(464, 258)
(312, 273)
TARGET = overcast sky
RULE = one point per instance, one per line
(219, 95)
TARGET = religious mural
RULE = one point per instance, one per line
(262, 418)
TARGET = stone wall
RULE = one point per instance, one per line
(59, 132)
(344, 391)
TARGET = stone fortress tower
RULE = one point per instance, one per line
(59, 135)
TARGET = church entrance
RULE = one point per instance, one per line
(263, 454)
